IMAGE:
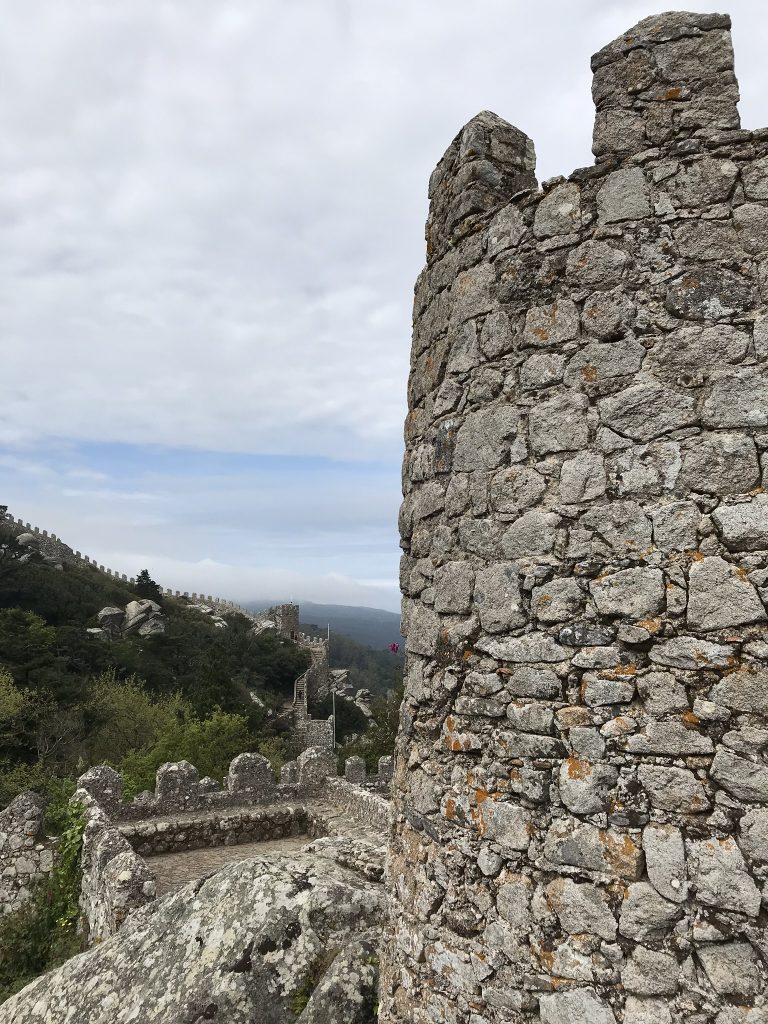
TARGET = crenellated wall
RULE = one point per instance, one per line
(188, 813)
(581, 783)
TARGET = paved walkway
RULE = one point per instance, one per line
(172, 870)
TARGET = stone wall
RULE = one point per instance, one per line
(196, 832)
(26, 853)
(581, 787)
(365, 806)
(114, 878)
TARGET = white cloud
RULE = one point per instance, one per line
(212, 217)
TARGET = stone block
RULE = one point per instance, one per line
(251, 774)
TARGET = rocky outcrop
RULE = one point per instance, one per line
(274, 939)
(143, 618)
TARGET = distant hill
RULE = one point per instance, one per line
(372, 627)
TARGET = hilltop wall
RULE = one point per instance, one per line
(581, 787)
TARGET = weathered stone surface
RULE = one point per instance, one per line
(575, 1004)
(581, 845)
(559, 424)
(720, 874)
(626, 695)
(744, 779)
(707, 293)
(245, 941)
(497, 597)
(635, 593)
(623, 525)
(673, 789)
(651, 973)
(454, 583)
(675, 526)
(559, 212)
(646, 1011)
(645, 411)
(586, 788)
(528, 649)
(671, 738)
(719, 596)
(599, 361)
(506, 824)
(662, 694)
(582, 478)
(516, 489)
(737, 398)
(744, 690)
(533, 533)
(645, 915)
(744, 526)
(551, 325)
(720, 464)
(582, 908)
(557, 601)
(753, 835)
(484, 439)
(623, 196)
(689, 652)
(596, 264)
(665, 861)
(689, 353)
(732, 968)
(608, 315)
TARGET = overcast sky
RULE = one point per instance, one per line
(211, 218)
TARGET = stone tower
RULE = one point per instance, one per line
(581, 790)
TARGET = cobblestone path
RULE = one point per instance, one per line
(172, 870)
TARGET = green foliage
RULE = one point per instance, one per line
(379, 740)
(55, 789)
(146, 587)
(44, 933)
(349, 718)
(278, 751)
(122, 716)
(209, 744)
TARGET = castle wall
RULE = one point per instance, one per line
(581, 787)
(26, 853)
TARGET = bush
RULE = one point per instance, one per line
(379, 740)
(209, 744)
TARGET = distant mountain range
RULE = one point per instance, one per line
(373, 627)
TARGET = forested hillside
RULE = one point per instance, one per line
(377, 671)
(69, 699)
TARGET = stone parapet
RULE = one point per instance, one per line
(365, 806)
(581, 785)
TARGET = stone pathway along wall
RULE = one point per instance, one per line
(581, 787)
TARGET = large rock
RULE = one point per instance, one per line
(273, 939)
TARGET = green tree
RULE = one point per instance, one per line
(209, 744)
(379, 740)
(145, 586)
(121, 717)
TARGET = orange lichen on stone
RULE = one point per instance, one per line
(578, 769)
(652, 625)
